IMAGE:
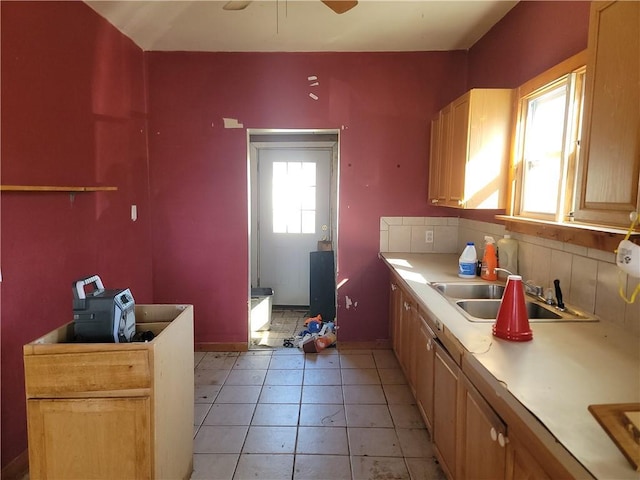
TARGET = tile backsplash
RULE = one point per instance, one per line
(408, 234)
(589, 278)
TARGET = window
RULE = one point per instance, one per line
(294, 197)
(547, 142)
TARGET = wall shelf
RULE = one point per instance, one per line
(52, 188)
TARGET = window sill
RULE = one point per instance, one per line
(590, 236)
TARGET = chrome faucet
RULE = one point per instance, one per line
(533, 289)
(530, 288)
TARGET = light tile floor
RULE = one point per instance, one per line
(285, 323)
(281, 414)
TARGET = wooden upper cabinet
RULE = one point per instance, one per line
(609, 170)
(470, 150)
(460, 122)
(436, 193)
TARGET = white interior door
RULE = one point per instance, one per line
(293, 213)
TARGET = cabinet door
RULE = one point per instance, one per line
(483, 437)
(436, 164)
(521, 465)
(488, 148)
(89, 438)
(445, 405)
(459, 149)
(425, 359)
(446, 144)
(434, 160)
(609, 169)
(409, 339)
(395, 304)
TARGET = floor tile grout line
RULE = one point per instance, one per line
(295, 454)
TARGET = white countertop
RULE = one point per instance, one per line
(556, 376)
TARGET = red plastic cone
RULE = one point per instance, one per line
(512, 322)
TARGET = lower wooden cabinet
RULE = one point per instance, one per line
(409, 339)
(486, 452)
(476, 435)
(395, 305)
(113, 410)
(445, 410)
(483, 437)
(76, 438)
(425, 363)
(522, 465)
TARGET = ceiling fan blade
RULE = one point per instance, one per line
(340, 6)
(236, 5)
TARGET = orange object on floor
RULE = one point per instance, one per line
(317, 318)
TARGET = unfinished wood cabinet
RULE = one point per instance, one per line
(483, 434)
(425, 362)
(395, 305)
(445, 410)
(520, 455)
(409, 321)
(113, 410)
(438, 179)
(609, 169)
(522, 465)
(485, 451)
(470, 141)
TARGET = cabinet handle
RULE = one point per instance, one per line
(434, 200)
(407, 306)
(394, 287)
(502, 440)
(429, 346)
(494, 434)
(461, 203)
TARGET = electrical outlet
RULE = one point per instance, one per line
(428, 236)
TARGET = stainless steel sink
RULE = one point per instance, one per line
(488, 310)
(470, 290)
(479, 302)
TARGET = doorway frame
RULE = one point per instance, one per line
(262, 138)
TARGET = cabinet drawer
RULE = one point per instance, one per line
(73, 374)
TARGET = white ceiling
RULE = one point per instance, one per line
(303, 25)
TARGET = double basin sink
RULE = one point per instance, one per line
(479, 302)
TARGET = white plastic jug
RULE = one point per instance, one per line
(468, 261)
(508, 255)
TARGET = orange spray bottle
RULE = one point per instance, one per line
(489, 260)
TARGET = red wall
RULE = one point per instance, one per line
(73, 113)
(531, 38)
(382, 102)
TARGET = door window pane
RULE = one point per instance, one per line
(294, 197)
